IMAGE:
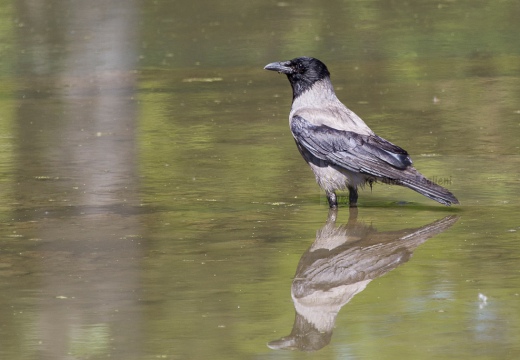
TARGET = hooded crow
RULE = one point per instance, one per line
(342, 151)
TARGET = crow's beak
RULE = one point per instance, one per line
(282, 67)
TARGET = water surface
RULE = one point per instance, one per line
(153, 204)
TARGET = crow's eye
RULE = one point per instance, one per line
(300, 68)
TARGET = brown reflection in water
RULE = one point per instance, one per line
(76, 178)
(338, 265)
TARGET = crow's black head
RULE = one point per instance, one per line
(302, 72)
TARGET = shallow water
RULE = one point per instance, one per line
(153, 204)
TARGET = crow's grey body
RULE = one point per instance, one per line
(342, 151)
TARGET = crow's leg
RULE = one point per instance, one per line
(352, 196)
(333, 201)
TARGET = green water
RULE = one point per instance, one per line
(153, 204)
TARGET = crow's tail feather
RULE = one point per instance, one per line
(428, 188)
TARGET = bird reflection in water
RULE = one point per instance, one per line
(340, 264)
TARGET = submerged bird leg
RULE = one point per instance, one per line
(352, 216)
(333, 201)
(352, 196)
(331, 217)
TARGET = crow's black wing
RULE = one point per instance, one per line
(369, 154)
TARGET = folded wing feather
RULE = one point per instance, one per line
(368, 154)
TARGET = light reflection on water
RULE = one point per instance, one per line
(149, 215)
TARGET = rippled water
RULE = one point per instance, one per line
(153, 204)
